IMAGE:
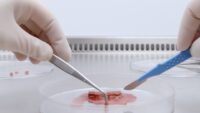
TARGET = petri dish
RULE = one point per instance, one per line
(150, 97)
(186, 69)
(184, 78)
(22, 85)
(23, 69)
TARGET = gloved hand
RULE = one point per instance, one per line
(29, 30)
(189, 34)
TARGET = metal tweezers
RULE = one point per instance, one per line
(66, 67)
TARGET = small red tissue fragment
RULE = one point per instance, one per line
(16, 72)
(11, 74)
(114, 98)
(26, 72)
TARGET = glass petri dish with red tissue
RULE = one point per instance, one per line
(149, 97)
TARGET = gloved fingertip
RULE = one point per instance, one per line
(63, 50)
(34, 61)
(41, 51)
(195, 49)
(20, 56)
(194, 53)
(65, 55)
(46, 53)
(181, 46)
(68, 55)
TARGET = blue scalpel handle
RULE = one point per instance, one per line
(160, 68)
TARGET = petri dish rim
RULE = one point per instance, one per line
(32, 75)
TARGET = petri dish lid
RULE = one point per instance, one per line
(23, 69)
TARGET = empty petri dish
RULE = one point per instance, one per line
(19, 83)
(150, 97)
(186, 69)
(21, 69)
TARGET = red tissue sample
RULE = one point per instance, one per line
(26, 72)
(16, 72)
(11, 74)
(114, 98)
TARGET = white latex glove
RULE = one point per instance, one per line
(189, 34)
(29, 30)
